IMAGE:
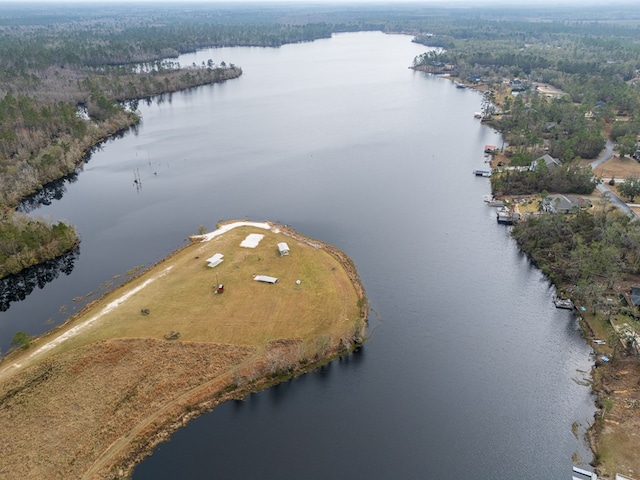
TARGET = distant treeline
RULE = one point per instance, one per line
(594, 58)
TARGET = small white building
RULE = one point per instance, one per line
(283, 248)
(215, 260)
(265, 278)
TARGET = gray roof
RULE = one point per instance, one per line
(549, 161)
(562, 203)
(635, 295)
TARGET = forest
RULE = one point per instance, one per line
(588, 253)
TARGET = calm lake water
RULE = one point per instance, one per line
(470, 372)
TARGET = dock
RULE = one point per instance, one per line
(584, 474)
(482, 173)
(492, 201)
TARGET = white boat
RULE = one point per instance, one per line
(493, 202)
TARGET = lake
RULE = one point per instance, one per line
(470, 371)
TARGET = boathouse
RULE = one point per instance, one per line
(490, 149)
(506, 216)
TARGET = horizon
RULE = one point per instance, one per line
(442, 3)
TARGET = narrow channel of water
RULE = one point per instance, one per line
(470, 370)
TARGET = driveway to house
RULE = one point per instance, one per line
(602, 188)
(605, 155)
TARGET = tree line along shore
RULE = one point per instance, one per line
(41, 142)
(590, 253)
(548, 101)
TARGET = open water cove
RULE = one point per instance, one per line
(469, 371)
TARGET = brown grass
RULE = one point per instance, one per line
(95, 404)
(618, 168)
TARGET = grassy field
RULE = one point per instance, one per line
(91, 398)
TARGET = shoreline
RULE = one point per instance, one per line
(603, 374)
(114, 127)
(251, 373)
(148, 441)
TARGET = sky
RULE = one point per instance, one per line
(326, 2)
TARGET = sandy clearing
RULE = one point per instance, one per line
(230, 226)
(252, 240)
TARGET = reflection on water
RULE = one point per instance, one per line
(55, 190)
(16, 287)
(47, 194)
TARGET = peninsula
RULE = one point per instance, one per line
(93, 397)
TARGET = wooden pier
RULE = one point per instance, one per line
(482, 173)
(584, 474)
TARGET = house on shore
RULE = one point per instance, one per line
(559, 203)
(547, 160)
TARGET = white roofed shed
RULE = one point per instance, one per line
(265, 278)
(283, 248)
(215, 260)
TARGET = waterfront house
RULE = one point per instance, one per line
(550, 162)
(505, 216)
(562, 203)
